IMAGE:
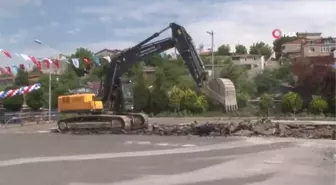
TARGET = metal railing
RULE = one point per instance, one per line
(22, 118)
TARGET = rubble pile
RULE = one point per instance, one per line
(244, 128)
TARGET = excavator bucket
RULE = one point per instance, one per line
(222, 91)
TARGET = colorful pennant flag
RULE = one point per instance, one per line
(75, 62)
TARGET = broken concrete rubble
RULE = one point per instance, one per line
(265, 128)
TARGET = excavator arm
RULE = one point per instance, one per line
(111, 89)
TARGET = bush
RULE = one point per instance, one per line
(318, 105)
(292, 102)
(266, 104)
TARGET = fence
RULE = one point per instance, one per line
(27, 117)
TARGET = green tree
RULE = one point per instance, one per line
(35, 99)
(224, 49)
(140, 89)
(266, 104)
(158, 100)
(154, 60)
(13, 103)
(81, 54)
(292, 102)
(22, 78)
(260, 48)
(266, 82)
(188, 101)
(201, 104)
(175, 96)
(241, 49)
(318, 105)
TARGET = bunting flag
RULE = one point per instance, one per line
(96, 60)
(13, 69)
(20, 91)
(75, 62)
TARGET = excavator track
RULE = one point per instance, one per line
(102, 123)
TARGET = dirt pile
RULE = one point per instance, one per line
(243, 128)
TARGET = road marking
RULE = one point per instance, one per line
(143, 142)
(81, 157)
(162, 144)
(158, 144)
(43, 131)
(189, 145)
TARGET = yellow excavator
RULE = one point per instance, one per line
(112, 106)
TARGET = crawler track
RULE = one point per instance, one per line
(103, 123)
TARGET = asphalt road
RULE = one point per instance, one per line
(42, 128)
(55, 159)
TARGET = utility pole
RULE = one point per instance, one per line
(211, 33)
(49, 101)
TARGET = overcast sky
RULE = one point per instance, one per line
(68, 24)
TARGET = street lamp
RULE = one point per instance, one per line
(49, 101)
(211, 33)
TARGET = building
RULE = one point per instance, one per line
(107, 52)
(318, 47)
(309, 45)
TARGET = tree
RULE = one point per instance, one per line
(266, 104)
(13, 103)
(153, 60)
(292, 102)
(158, 100)
(140, 89)
(81, 54)
(175, 96)
(318, 105)
(224, 49)
(260, 48)
(35, 99)
(266, 82)
(22, 78)
(241, 49)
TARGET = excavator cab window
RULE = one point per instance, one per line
(127, 92)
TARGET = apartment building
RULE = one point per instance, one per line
(318, 47)
(309, 45)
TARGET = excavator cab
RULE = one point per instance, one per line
(127, 93)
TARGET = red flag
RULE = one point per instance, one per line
(7, 53)
(22, 66)
(47, 63)
(36, 62)
(9, 70)
(87, 61)
(56, 63)
(3, 71)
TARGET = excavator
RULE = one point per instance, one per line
(112, 106)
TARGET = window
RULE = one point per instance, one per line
(311, 49)
(325, 49)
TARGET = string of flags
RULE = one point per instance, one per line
(20, 91)
(13, 69)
